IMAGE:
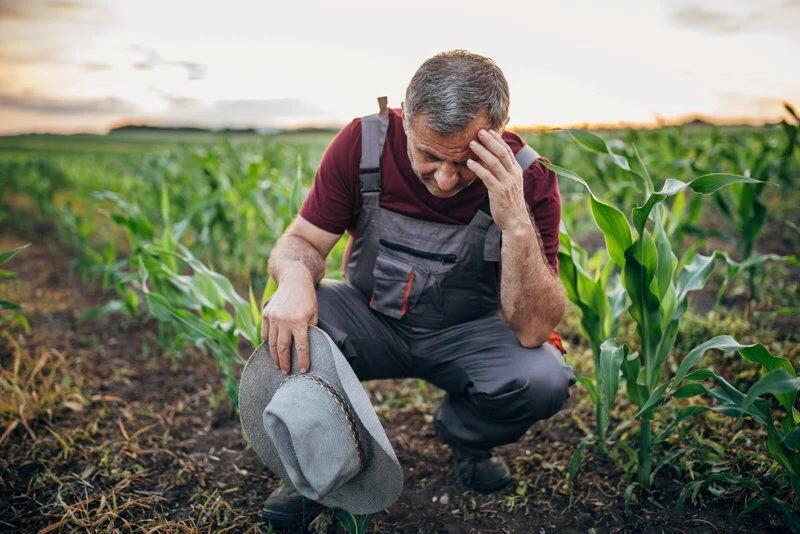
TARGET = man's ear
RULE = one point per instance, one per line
(403, 115)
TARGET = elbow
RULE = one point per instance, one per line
(531, 340)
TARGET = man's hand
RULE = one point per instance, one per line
(502, 176)
(286, 318)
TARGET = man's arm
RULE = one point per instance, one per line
(532, 297)
(297, 264)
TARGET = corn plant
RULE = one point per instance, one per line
(202, 312)
(350, 523)
(778, 379)
(656, 283)
(15, 317)
(600, 299)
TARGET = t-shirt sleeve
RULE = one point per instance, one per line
(543, 199)
(333, 202)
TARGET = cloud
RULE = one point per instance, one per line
(747, 16)
(152, 59)
(237, 112)
(697, 17)
(93, 66)
(32, 102)
(33, 11)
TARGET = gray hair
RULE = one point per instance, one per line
(452, 87)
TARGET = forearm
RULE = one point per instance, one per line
(294, 257)
(531, 295)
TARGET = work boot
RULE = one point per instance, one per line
(484, 472)
(285, 507)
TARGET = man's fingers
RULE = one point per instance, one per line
(264, 327)
(498, 150)
(488, 179)
(272, 343)
(284, 349)
(301, 344)
(507, 149)
(488, 159)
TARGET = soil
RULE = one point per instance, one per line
(149, 442)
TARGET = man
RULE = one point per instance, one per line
(448, 278)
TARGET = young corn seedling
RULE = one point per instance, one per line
(778, 379)
(656, 283)
(7, 305)
(600, 300)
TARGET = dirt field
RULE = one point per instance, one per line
(118, 434)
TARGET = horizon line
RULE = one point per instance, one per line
(658, 122)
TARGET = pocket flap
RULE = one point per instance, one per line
(392, 291)
(390, 268)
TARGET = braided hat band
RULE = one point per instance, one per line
(346, 409)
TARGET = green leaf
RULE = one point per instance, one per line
(610, 360)
(575, 461)
(792, 439)
(694, 276)
(723, 342)
(657, 396)
(8, 275)
(700, 374)
(776, 382)
(610, 220)
(591, 141)
(7, 305)
(586, 382)
(758, 353)
(689, 390)
(8, 254)
(708, 183)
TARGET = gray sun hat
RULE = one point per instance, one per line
(318, 430)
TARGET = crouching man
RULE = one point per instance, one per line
(450, 270)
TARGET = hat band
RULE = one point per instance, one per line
(344, 405)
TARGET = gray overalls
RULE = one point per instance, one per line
(422, 300)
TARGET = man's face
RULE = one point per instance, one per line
(440, 162)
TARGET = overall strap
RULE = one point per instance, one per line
(525, 157)
(373, 137)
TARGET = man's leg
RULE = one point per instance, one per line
(496, 387)
(371, 346)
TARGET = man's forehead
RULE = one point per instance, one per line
(450, 145)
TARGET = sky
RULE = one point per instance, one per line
(85, 66)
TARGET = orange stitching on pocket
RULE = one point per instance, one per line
(407, 293)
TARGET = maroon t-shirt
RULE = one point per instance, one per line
(334, 201)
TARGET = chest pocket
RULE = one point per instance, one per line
(397, 286)
(402, 274)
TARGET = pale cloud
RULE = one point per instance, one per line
(237, 112)
(43, 11)
(152, 59)
(738, 16)
(31, 102)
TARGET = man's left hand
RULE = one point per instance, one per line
(502, 176)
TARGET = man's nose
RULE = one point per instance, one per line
(446, 176)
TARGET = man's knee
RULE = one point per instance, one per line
(536, 387)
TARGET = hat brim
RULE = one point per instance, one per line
(379, 484)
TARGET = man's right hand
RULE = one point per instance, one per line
(285, 319)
